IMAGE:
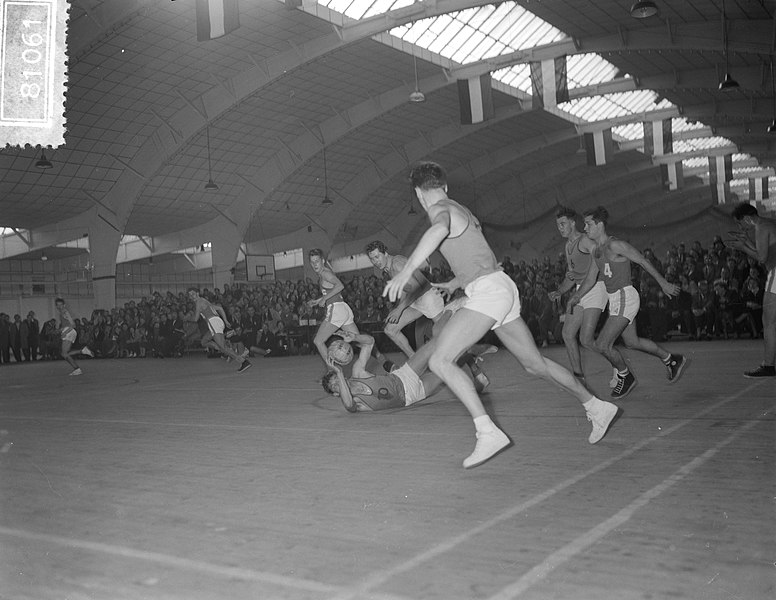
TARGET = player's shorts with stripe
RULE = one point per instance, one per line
(624, 302)
(494, 295)
(596, 297)
(413, 386)
(339, 314)
(431, 304)
(69, 334)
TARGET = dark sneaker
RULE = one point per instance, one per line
(675, 367)
(624, 386)
(244, 366)
(761, 371)
(481, 381)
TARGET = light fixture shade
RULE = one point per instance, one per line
(211, 185)
(772, 127)
(43, 163)
(326, 200)
(728, 83)
(417, 96)
(642, 10)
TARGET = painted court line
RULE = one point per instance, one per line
(580, 544)
(380, 577)
(199, 566)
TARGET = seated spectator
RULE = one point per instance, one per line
(723, 310)
(702, 310)
(751, 315)
(266, 341)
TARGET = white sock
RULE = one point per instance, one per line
(483, 423)
(591, 404)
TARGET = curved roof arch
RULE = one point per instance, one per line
(144, 95)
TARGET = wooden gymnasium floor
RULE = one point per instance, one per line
(179, 479)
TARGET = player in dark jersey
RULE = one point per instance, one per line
(492, 303)
(216, 320)
(339, 315)
(582, 320)
(68, 335)
(612, 260)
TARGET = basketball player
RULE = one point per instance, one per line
(339, 315)
(612, 260)
(364, 391)
(582, 320)
(216, 320)
(68, 335)
(764, 250)
(492, 303)
(420, 299)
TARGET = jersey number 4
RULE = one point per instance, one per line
(607, 270)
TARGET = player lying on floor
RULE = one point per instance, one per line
(365, 391)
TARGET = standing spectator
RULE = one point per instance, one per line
(5, 338)
(33, 336)
(17, 331)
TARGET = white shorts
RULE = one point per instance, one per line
(770, 281)
(69, 334)
(216, 325)
(413, 386)
(494, 295)
(430, 304)
(339, 314)
(624, 303)
(596, 297)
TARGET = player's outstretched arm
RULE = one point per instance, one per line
(629, 252)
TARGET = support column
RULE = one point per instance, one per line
(224, 246)
(103, 247)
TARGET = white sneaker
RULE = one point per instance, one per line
(489, 443)
(613, 381)
(601, 419)
(76, 372)
(85, 350)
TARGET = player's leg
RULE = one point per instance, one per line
(767, 369)
(325, 331)
(65, 352)
(517, 338)
(571, 328)
(394, 330)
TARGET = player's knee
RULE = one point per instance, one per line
(587, 341)
(391, 329)
(437, 364)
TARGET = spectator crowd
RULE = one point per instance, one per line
(721, 296)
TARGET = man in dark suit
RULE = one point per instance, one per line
(33, 339)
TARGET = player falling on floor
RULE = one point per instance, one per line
(216, 320)
(492, 303)
(339, 315)
(68, 335)
(364, 391)
(612, 260)
(583, 319)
